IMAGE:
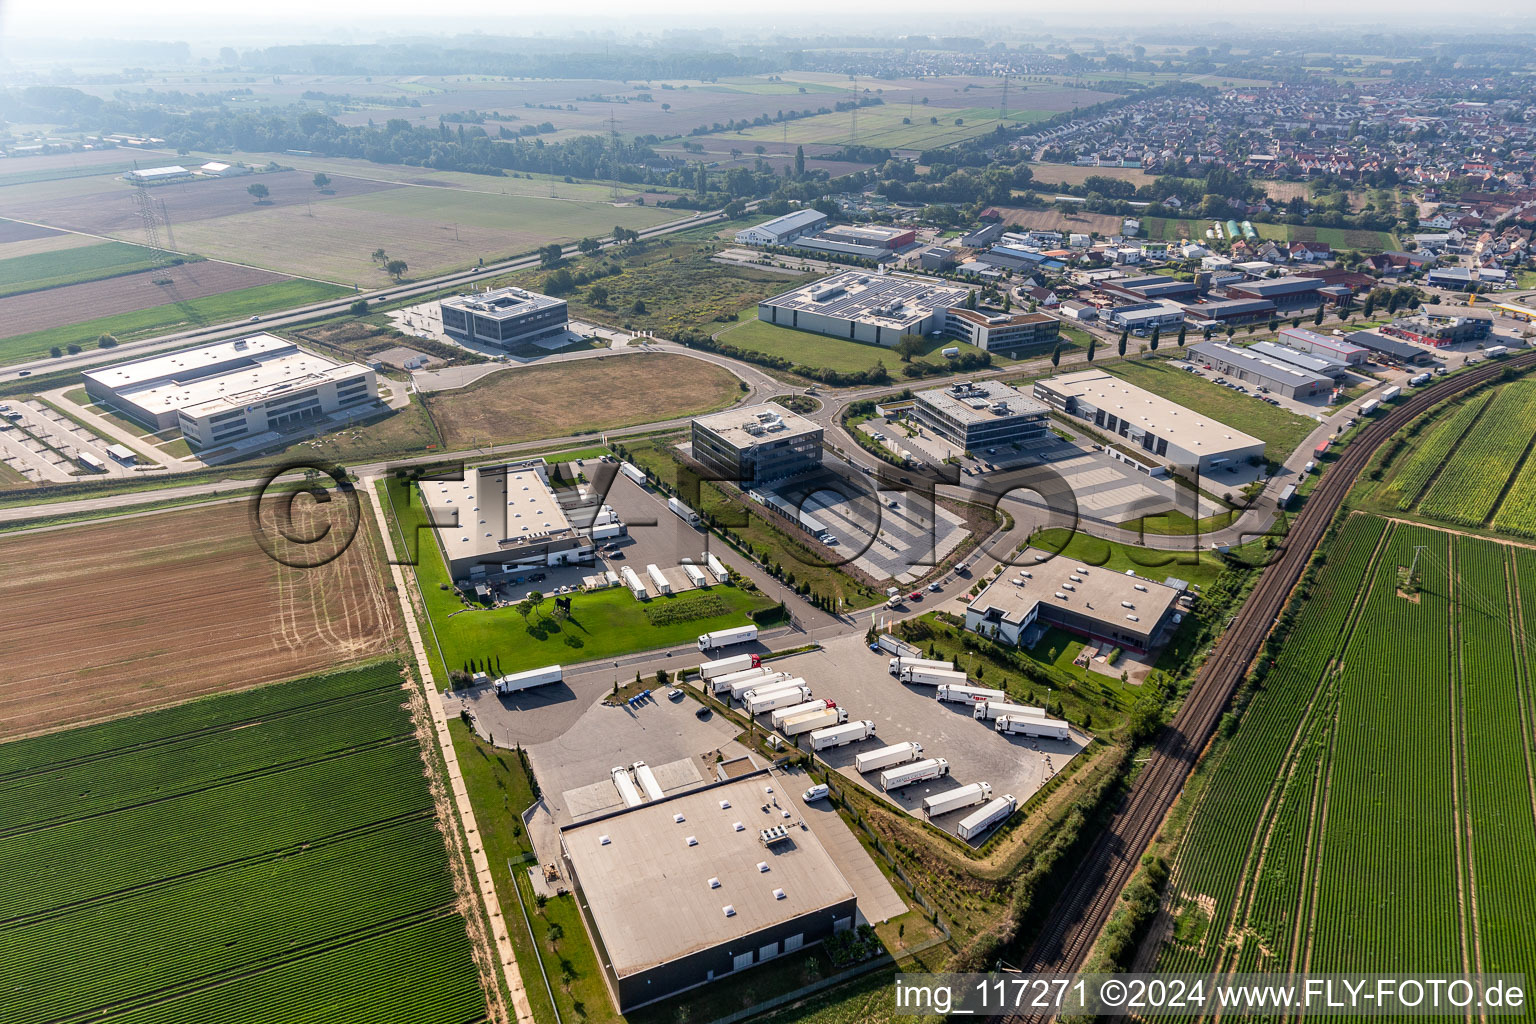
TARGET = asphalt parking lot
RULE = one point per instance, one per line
(847, 672)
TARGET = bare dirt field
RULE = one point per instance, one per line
(106, 206)
(63, 162)
(580, 395)
(110, 618)
(70, 304)
(13, 231)
(1055, 220)
(1071, 174)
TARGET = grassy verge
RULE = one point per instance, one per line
(843, 355)
(1281, 430)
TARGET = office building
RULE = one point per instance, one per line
(1147, 421)
(242, 391)
(1003, 333)
(756, 444)
(975, 416)
(505, 317)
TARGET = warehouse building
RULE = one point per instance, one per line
(1153, 286)
(782, 230)
(869, 235)
(1003, 333)
(700, 885)
(1284, 292)
(241, 391)
(1324, 345)
(1308, 361)
(157, 175)
(1166, 429)
(1390, 349)
(1231, 311)
(865, 306)
(1143, 316)
(499, 517)
(756, 444)
(835, 247)
(937, 259)
(978, 415)
(1108, 608)
(1011, 257)
(1262, 371)
(506, 317)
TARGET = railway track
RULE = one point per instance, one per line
(1089, 895)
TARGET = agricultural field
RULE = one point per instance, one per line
(1280, 429)
(843, 355)
(602, 624)
(1168, 229)
(273, 855)
(888, 126)
(71, 266)
(1469, 464)
(1055, 220)
(1395, 708)
(115, 616)
(580, 396)
(222, 299)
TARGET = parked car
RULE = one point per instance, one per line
(934, 587)
(916, 595)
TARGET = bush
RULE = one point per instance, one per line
(359, 307)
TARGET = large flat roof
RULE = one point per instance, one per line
(756, 424)
(494, 509)
(502, 302)
(982, 402)
(1256, 362)
(885, 300)
(189, 362)
(1190, 430)
(650, 892)
(1306, 360)
(1087, 590)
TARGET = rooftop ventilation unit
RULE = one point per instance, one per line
(778, 894)
(692, 841)
(728, 910)
(603, 840)
(714, 883)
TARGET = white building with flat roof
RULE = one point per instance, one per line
(865, 306)
(782, 230)
(234, 391)
(1171, 432)
(501, 516)
(505, 317)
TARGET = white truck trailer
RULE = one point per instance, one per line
(900, 662)
(722, 684)
(961, 693)
(896, 646)
(726, 666)
(533, 677)
(985, 817)
(917, 771)
(1391, 393)
(932, 677)
(885, 757)
(814, 720)
(738, 688)
(632, 471)
(647, 780)
(658, 579)
(838, 735)
(716, 566)
(626, 787)
(991, 710)
(632, 581)
(965, 796)
(783, 715)
(1029, 725)
(727, 637)
(771, 698)
(683, 512)
(695, 575)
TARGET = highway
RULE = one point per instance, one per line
(1090, 894)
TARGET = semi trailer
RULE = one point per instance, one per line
(783, 715)
(901, 661)
(932, 676)
(838, 735)
(1029, 725)
(683, 512)
(960, 693)
(885, 757)
(647, 780)
(533, 677)
(917, 771)
(814, 720)
(965, 796)
(772, 698)
(985, 817)
(991, 710)
(727, 638)
(626, 787)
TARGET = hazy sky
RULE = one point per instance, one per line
(205, 22)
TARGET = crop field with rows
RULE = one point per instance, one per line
(267, 855)
(1471, 484)
(1431, 451)
(1398, 708)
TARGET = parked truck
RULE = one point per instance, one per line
(1029, 725)
(896, 646)
(683, 512)
(965, 796)
(917, 771)
(533, 677)
(991, 710)
(932, 676)
(901, 662)
(721, 684)
(885, 757)
(771, 698)
(716, 566)
(647, 780)
(738, 689)
(993, 813)
(961, 693)
(783, 715)
(838, 735)
(1391, 393)
(727, 637)
(830, 715)
(632, 471)
(626, 787)
(725, 666)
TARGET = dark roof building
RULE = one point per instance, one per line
(1232, 311)
(1280, 290)
(1400, 351)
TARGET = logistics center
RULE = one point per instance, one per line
(865, 306)
(501, 516)
(693, 887)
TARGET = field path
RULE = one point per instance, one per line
(455, 777)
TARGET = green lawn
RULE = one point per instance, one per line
(603, 624)
(71, 266)
(1171, 229)
(1198, 567)
(1280, 430)
(820, 350)
(141, 323)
